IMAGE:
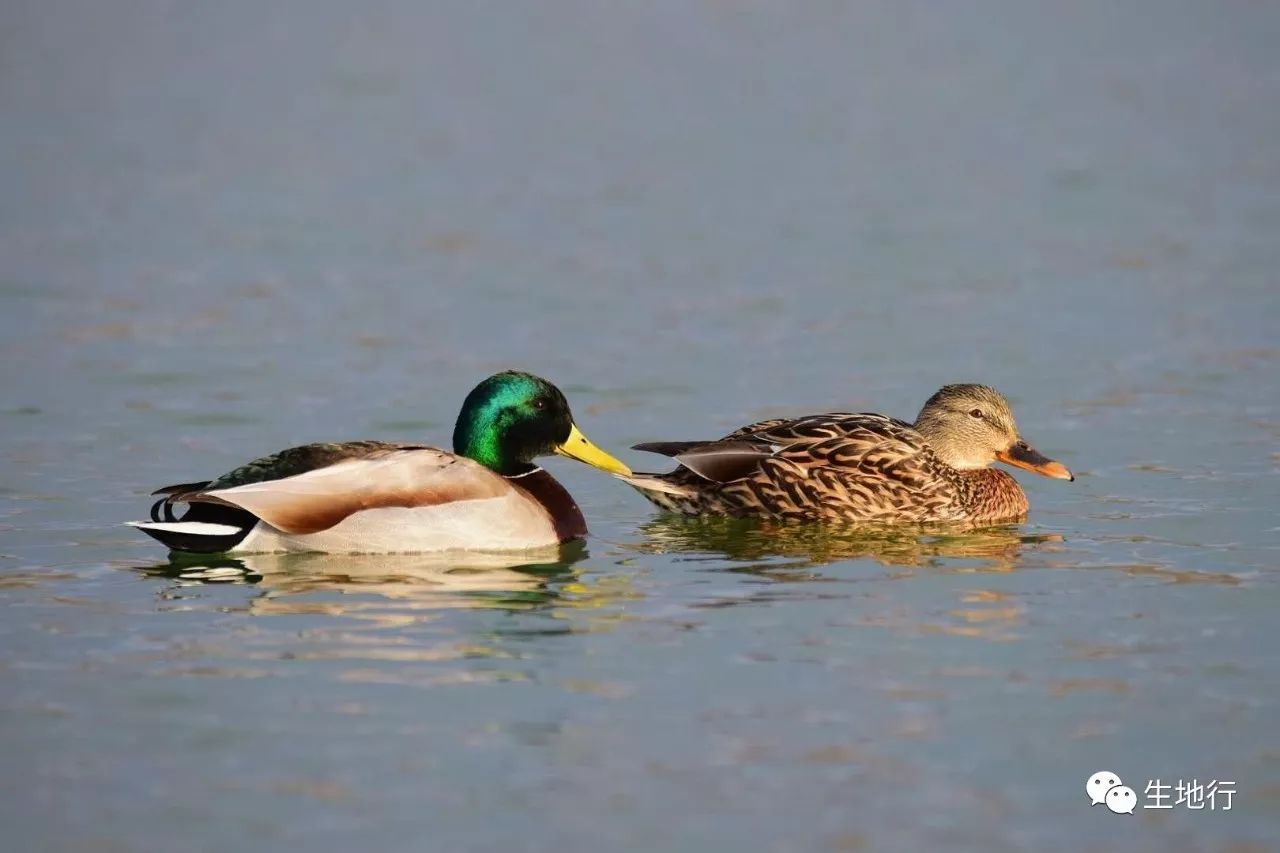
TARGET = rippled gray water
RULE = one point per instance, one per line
(226, 229)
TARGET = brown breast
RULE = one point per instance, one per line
(556, 500)
(994, 496)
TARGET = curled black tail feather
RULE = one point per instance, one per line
(202, 511)
(163, 503)
(162, 510)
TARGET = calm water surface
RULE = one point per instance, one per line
(226, 229)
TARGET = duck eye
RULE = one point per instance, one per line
(976, 413)
(539, 404)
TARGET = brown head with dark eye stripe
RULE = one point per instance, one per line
(970, 426)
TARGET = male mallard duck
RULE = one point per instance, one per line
(384, 497)
(858, 467)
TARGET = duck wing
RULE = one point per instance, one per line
(309, 489)
(719, 461)
(832, 447)
(811, 440)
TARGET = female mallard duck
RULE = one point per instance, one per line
(385, 497)
(858, 467)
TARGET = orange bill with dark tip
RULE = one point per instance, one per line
(1023, 455)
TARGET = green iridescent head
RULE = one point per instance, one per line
(511, 418)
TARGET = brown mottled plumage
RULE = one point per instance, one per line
(858, 467)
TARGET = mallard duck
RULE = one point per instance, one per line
(858, 467)
(388, 497)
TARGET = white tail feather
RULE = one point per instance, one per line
(195, 528)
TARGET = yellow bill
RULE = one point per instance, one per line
(576, 446)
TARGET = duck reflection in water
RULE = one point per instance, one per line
(797, 545)
(348, 584)
(411, 620)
